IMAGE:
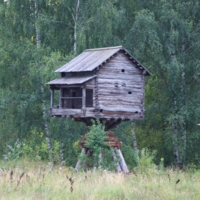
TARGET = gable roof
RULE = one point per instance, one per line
(90, 59)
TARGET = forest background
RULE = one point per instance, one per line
(39, 36)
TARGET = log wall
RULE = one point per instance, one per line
(121, 88)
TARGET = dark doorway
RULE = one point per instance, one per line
(89, 98)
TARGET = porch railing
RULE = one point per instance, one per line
(71, 102)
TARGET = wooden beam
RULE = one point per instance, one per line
(122, 161)
(118, 168)
(60, 100)
(83, 100)
(79, 161)
(52, 98)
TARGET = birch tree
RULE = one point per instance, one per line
(162, 36)
(44, 111)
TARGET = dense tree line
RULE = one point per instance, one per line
(38, 36)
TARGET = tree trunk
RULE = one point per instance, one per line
(46, 127)
(183, 128)
(177, 155)
(37, 30)
(62, 152)
(134, 138)
(75, 25)
(47, 134)
(176, 142)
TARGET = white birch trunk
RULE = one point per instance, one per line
(184, 138)
(37, 30)
(62, 152)
(134, 138)
(46, 127)
(75, 25)
(175, 137)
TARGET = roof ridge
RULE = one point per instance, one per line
(105, 48)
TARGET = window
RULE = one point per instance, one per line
(71, 98)
(89, 98)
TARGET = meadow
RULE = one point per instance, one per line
(28, 180)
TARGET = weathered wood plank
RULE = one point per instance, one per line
(116, 84)
(115, 99)
(120, 91)
(120, 115)
(66, 112)
(122, 70)
(129, 106)
(136, 78)
(120, 109)
(120, 64)
(111, 82)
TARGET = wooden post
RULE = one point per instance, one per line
(118, 168)
(52, 98)
(83, 97)
(79, 161)
(122, 161)
(60, 100)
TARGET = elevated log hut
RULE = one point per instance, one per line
(105, 83)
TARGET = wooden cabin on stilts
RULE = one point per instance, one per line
(104, 83)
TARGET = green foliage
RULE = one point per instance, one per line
(99, 154)
(95, 137)
(13, 152)
(95, 142)
(146, 160)
(35, 148)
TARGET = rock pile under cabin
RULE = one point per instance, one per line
(105, 83)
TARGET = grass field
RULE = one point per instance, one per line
(24, 180)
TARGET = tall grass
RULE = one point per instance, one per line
(24, 180)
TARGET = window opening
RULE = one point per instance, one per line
(89, 98)
(71, 98)
(123, 70)
(130, 92)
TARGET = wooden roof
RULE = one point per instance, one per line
(70, 80)
(90, 59)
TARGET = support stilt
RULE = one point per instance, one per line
(115, 146)
(118, 168)
(79, 161)
(122, 161)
